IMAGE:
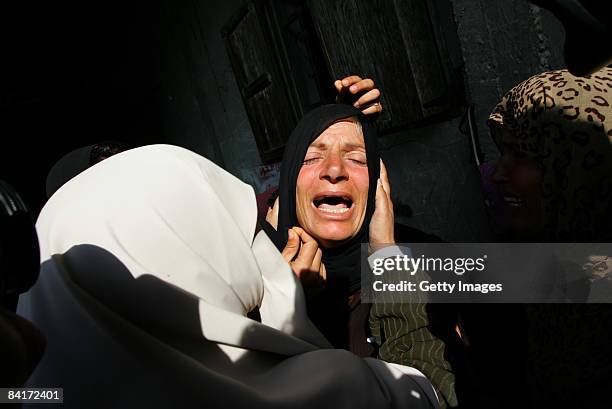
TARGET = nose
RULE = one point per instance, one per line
(502, 170)
(333, 169)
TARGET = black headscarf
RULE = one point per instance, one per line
(342, 263)
(78, 161)
(68, 167)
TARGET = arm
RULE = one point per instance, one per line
(405, 331)
(404, 335)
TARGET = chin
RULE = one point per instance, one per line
(332, 236)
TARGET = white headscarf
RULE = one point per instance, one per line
(115, 236)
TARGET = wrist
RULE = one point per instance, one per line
(376, 245)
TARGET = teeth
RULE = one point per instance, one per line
(336, 206)
(329, 210)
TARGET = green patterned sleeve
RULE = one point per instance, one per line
(403, 332)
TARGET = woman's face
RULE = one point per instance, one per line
(332, 186)
(520, 179)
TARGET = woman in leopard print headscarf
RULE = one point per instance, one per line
(555, 134)
(563, 125)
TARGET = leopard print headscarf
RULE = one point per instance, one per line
(565, 123)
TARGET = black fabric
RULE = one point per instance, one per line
(68, 167)
(19, 251)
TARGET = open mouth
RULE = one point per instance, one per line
(514, 201)
(333, 203)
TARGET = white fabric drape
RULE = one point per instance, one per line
(149, 268)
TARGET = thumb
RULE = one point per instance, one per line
(338, 85)
(292, 247)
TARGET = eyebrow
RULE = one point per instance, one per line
(354, 147)
(347, 147)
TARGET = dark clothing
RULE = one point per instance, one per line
(68, 167)
(407, 336)
(417, 334)
(358, 327)
(78, 161)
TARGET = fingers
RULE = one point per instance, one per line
(369, 97)
(292, 247)
(362, 93)
(381, 225)
(314, 278)
(303, 254)
(382, 230)
(372, 109)
(362, 86)
(350, 80)
(384, 178)
(369, 103)
(383, 203)
(316, 261)
(308, 249)
(338, 85)
(302, 234)
(323, 272)
(345, 95)
(305, 265)
(381, 198)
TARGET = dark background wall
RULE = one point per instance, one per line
(73, 74)
(158, 71)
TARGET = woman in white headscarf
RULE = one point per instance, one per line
(151, 264)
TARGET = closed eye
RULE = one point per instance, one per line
(358, 161)
(358, 158)
(310, 161)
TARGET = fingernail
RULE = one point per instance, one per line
(353, 88)
(345, 83)
(356, 104)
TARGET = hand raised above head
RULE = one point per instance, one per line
(361, 93)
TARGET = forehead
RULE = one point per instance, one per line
(345, 131)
